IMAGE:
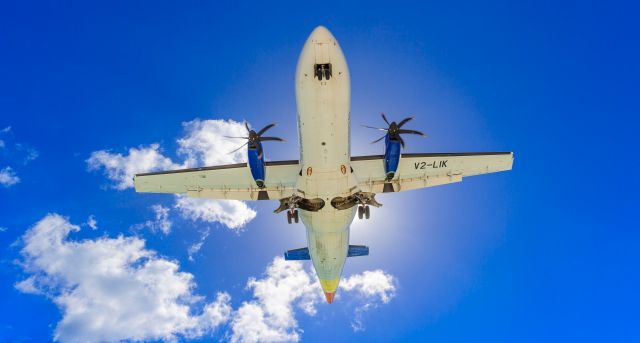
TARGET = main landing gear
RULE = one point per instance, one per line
(363, 211)
(292, 216)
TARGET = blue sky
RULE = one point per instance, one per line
(546, 252)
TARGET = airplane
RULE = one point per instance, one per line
(327, 186)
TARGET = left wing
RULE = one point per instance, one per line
(426, 170)
(232, 181)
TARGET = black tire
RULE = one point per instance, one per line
(360, 212)
(327, 74)
(289, 217)
(367, 213)
(295, 216)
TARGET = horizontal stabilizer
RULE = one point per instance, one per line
(358, 250)
(303, 253)
(297, 254)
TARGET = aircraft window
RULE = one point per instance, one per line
(323, 71)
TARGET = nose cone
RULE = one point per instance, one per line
(321, 35)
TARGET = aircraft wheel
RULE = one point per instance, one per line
(289, 217)
(295, 216)
(327, 74)
(367, 214)
(360, 212)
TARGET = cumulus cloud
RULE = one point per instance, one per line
(232, 213)
(8, 177)
(205, 143)
(285, 286)
(372, 287)
(113, 289)
(269, 317)
(371, 284)
(121, 168)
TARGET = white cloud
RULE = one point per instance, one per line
(113, 289)
(3, 229)
(232, 213)
(204, 142)
(6, 129)
(121, 168)
(372, 287)
(269, 317)
(371, 284)
(195, 247)
(8, 177)
(2, 145)
(286, 285)
(92, 222)
(161, 221)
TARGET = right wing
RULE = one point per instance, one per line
(232, 181)
(426, 170)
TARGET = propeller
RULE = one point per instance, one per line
(395, 130)
(254, 137)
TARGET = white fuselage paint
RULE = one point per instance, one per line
(323, 126)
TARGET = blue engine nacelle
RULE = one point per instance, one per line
(391, 156)
(256, 163)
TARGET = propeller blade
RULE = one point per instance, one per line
(413, 132)
(379, 139)
(385, 118)
(247, 126)
(262, 139)
(375, 128)
(401, 141)
(264, 129)
(240, 147)
(235, 137)
(405, 120)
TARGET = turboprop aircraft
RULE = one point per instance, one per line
(327, 186)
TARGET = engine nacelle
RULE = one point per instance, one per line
(391, 157)
(255, 156)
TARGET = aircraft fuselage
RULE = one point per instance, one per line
(323, 93)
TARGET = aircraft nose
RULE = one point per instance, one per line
(321, 35)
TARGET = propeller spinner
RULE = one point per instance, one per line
(395, 130)
(254, 138)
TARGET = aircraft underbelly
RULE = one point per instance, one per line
(323, 126)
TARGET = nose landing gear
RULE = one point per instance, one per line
(323, 71)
